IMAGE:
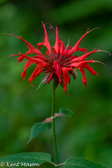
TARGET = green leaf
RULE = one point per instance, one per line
(81, 163)
(40, 85)
(31, 158)
(65, 112)
(38, 128)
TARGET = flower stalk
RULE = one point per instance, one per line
(54, 131)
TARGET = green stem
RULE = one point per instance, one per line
(54, 132)
(61, 164)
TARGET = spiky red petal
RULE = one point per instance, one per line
(58, 70)
(46, 40)
(32, 49)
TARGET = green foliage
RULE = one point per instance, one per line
(81, 163)
(33, 157)
(65, 112)
(39, 128)
(78, 9)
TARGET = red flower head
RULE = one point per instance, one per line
(59, 62)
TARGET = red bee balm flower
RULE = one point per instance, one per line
(58, 63)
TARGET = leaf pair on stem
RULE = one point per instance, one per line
(39, 158)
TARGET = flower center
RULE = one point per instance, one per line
(51, 58)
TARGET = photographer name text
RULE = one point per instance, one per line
(22, 164)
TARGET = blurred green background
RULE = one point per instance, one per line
(89, 133)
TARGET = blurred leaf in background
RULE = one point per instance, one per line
(88, 133)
